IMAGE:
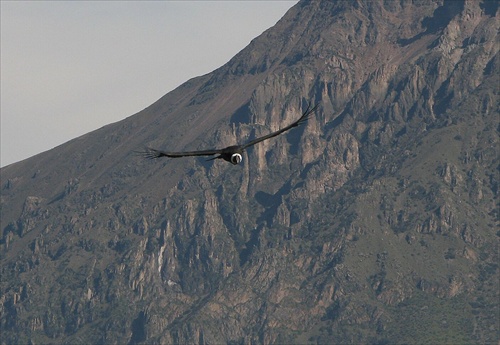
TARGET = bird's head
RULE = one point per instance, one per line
(236, 158)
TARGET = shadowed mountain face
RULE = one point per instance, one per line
(376, 222)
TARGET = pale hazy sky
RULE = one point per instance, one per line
(70, 67)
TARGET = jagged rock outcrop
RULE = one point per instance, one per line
(373, 223)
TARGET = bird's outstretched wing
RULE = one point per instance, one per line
(305, 116)
(153, 153)
(228, 151)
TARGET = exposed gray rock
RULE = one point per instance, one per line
(373, 223)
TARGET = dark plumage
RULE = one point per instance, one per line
(232, 154)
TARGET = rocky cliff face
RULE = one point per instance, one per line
(376, 222)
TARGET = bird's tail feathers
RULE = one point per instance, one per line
(211, 159)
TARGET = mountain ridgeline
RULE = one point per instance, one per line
(375, 222)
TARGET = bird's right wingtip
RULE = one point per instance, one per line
(148, 153)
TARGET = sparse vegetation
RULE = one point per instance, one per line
(375, 223)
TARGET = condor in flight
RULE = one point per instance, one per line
(233, 153)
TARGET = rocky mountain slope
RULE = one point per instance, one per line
(377, 222)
